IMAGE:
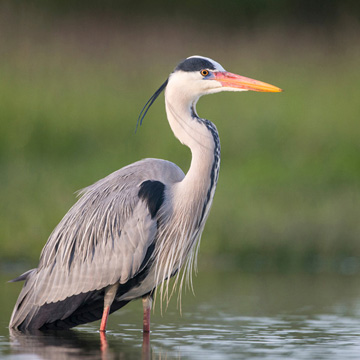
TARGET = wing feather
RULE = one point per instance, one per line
(103, 239)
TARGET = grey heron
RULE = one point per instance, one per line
(136, 228)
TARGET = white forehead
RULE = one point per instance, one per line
(217, 66)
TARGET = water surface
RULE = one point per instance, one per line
(232, 316)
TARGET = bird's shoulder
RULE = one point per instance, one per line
(123, 189)
(135, 174)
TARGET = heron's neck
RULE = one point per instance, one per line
(202, 138)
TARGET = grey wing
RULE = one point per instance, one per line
(105, 238)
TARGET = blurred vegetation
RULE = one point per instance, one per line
(72, 87)
(231, 13)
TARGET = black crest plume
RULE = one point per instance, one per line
(149, 103)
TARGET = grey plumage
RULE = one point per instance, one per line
(136, 228)
(103, 239)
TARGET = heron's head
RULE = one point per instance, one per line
(198, 75)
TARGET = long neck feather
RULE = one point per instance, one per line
(192, 197)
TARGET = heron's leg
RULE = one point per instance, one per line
(103, 342)
(145, 353)
(109, 297)
(147, 302)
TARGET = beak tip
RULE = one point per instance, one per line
(274, 89)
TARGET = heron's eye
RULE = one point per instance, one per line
(204, 72)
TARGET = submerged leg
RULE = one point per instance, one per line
(103, 343)
(109, 297)
(145, 353)
(147, 302)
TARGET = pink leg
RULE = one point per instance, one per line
(147, 302)
(104, 318)
(109, 297)
(146, 323)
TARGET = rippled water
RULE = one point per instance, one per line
(233, 316)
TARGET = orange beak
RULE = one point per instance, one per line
(230, 80)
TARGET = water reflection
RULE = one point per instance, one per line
(73, 344)
(322, 336)
(232, 317)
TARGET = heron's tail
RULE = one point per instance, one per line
(21, 307)
(72, 311)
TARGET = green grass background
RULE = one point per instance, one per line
(289, 190)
